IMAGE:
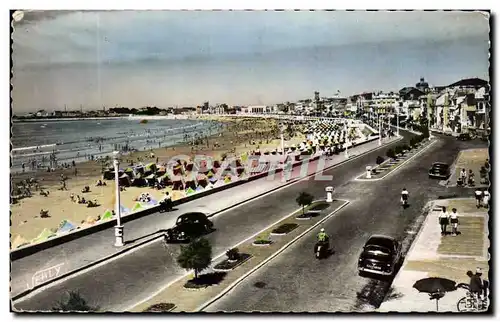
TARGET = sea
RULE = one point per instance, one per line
(37, 142)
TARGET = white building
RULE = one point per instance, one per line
(256, 109)
(384, 103)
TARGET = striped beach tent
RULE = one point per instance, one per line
(108, 215)
(65, 226)
(19, 241)
(137, 206)
(44, 235)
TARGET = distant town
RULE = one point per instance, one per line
(456, 107)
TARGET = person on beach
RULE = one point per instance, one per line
(443, 221)
(454, 222)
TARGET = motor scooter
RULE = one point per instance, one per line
(321, 249)
(404, 202)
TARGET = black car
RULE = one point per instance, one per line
(189, 226)
(380, 256)
(439, 170)
(464, 137)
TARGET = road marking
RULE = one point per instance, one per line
(153, 240)
(399, 166)
(46, 274)
(267, 260)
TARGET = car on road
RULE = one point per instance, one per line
(189, 226)
(439, 170)
(464, 137)
(381, 255)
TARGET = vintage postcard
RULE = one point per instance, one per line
(250, 161)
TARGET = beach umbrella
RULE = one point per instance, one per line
(436, 287)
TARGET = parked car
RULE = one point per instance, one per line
(439, 170)
(380, 256)
(464, 137)
(189, 226)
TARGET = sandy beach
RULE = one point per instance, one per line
(239, 136)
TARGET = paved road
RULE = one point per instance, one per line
(80, 252)
(295, 281)
(129, 279)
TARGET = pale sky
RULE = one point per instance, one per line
(167, 58)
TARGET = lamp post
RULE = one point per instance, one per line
(346, 140)
(282, 130)
(379, 131)
(397, 121)
(118, 227)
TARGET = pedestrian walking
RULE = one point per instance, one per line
(443, 221)
(486, 198)
(479, 197)
(454, 222)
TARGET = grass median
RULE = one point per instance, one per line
(390, 165)
(188, 300)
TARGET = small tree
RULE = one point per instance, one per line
(380, 160)
(304, 199)
(397, 150)
(74, 303)
(233, 254)
(390, 154)
(196, 256)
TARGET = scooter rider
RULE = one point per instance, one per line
(322, 236)
(404, 196)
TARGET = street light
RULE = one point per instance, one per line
(346, 140)
(397, 121)
(379, 131)
(282, 130)
(118, 227)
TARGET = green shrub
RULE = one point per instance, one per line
(390, 154)
(380, 160)
(233, 254)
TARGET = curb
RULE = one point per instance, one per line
(86, 267)
(267, 260)
(112, 256)
(433, 202)
(399, 166)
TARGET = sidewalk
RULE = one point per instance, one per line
(471, 159)
(433, 255)
(78, 253)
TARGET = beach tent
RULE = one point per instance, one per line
(244, 157)
(202, 180)
(151, 203)
(139, 181)
(227, 179)
(190, 181)
(210, 174)
(199, 189)
(108, 215)
(190, 191)
(177, 183)
(209, 186)
(65, 226)
(218, 183)
(124, 210)
(151, 179)
(189, 166)
(124, 180)
(44, 235)
(213, 179)
(138, 206)
(150, 168)
(108, 175)
(176, 195)
(161, 170)
(177, 170)
(18, 242)
(165, 179)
